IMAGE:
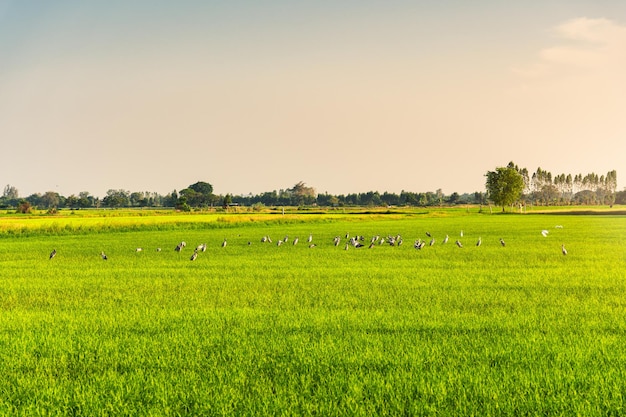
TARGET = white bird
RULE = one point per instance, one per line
(480, 241)
(502, 242)
(445, 240)
(224, 243)
(459, 244)
(194, 256)
(138, 250)
(312, 245)
(310, 239)
(544, 233)
(432, 241)
(461, 233)
(103, 256)
(295, 241)
(563, 250)
(158, 249)
(53, 253)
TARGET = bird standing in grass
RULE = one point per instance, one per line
(563, 250)
(502, 242)
(53, 253)
(194, 256)
(103, 256)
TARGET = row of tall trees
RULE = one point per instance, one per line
(512, 184)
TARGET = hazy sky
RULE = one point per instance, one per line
(347, 96)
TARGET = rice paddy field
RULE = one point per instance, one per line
(257, 328)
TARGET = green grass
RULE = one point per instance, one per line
(261, 329)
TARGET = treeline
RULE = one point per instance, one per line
(540, 188)
(366, 199)
(543, 188)
(200, 196)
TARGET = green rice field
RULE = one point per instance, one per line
(258, 328)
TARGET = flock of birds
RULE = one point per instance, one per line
(357, 241)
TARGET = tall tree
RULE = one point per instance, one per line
(202, 188)
(504, 186)
(10, 192)
(199, 194)
(301, 194)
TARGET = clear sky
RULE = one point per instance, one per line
(347, 96)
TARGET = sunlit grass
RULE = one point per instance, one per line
(255, 328)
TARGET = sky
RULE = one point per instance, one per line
(346, 96)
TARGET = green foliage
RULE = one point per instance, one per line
(504, 186)
(202, 188)
(261, 329)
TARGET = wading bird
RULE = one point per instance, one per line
(563, 250)
(459, 244)
(224, 243)
(479, 242)
(103, 256)
(194, 256)
(295, 241)
(445, 239)
(53, 253)
(502, 242)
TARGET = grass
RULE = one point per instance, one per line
(261, 329)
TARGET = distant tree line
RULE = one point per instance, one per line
(539, 188)
(511, 184)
